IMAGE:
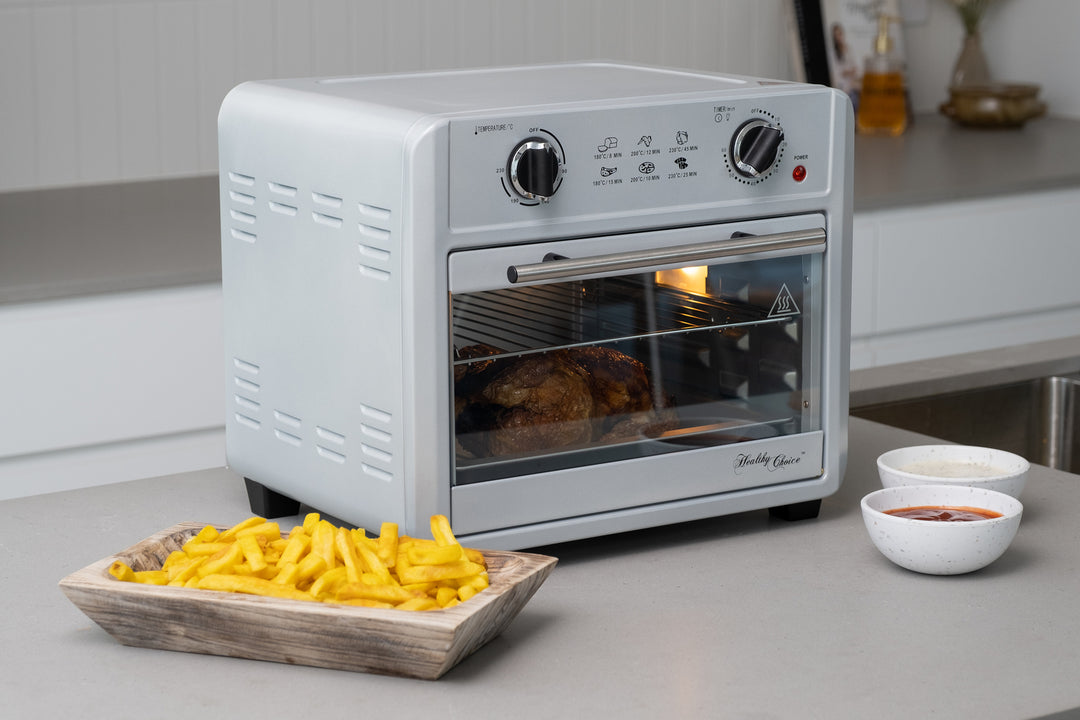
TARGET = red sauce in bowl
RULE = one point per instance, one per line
(940, 513)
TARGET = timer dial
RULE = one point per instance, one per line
(755, 147)
(533, 169)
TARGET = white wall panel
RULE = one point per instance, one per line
(97, 135)
(215, 64)
(709, 37)
(508, 46)
(440, 35)
(609, 25)
(136, 73)
(289, 29)
(177, 86)
(401, 41)
(332, 38)
(108, 90)
(258, 52)
(369, 25)
(54, 81)
(578, 33)
(18, 112)
(105, 90)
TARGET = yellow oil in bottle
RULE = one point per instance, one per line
(883, 101)
(882, 104)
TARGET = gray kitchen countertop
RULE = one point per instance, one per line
(743, 616)
(67, 242)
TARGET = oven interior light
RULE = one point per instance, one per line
(691, 279)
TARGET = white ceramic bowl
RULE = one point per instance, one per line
(954, 465)
(936, 547)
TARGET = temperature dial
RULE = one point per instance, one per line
(533, 169)
(755, 146)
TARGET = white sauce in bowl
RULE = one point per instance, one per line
(952, 469)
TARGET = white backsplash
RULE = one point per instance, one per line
(96, 91)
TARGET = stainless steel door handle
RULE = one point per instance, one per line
(646, 259)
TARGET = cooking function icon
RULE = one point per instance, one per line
(608, 144)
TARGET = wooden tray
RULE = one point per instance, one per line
(390, 642)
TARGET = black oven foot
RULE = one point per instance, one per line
(267, 503)
(797, 511)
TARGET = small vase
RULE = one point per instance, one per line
(971, 68)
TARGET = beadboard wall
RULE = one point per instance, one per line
(103, 91)
(98, 91)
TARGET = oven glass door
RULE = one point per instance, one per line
(599, 350)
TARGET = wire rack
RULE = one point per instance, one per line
(545, 317)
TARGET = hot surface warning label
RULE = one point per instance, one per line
(784, 304)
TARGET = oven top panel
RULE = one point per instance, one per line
(542, 167)
(485, 89)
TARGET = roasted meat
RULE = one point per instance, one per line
(548, 401)
(545, 403)
(618, 383)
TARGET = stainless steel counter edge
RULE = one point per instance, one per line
(956, 373)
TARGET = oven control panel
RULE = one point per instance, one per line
(563, 165)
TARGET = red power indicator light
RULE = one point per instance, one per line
(799, 173)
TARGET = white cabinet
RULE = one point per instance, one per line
(955, 277)
(113, 387)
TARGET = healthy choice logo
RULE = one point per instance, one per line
(749, 462)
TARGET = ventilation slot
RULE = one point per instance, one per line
(247, 421)
(287, 419)
(375, 434)
(287, 438)
(374, 216)
(375, 414)
(376, 454)
(329, 436)
(376, 472)
(283, 208)
(280, 189)
(247, 407)
(241, 179)
(242, 235)
(375, 427)
(330, 444)
(375, 252)
(326, 200)
(374, 273)
(244, 366)
(374, 235)
(329, 454)
(327, 220)
(246, 385)
(243, 206)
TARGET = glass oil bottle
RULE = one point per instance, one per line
(883, 101)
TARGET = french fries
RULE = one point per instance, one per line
(319, 562)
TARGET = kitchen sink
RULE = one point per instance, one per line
(1038, 419)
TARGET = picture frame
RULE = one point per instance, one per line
(831, 40)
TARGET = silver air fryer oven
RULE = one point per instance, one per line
(549, 302)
